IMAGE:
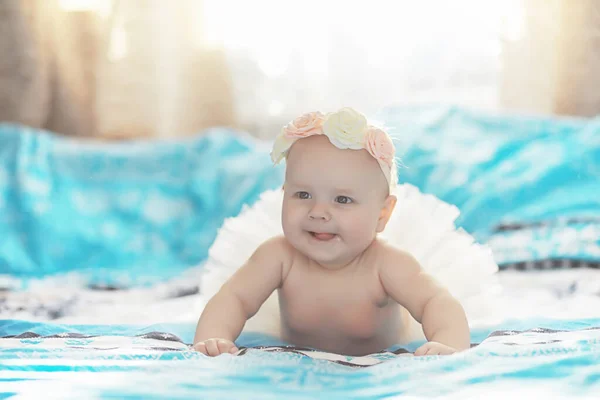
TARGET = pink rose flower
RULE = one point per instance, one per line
(305, 125)
(380, 145)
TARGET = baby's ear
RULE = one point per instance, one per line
(386, 212)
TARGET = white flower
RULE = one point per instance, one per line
(346, 128)
(280, 147)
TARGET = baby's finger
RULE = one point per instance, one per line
(224, 346)
(432, 351)
(234, 350)
(422, 350)
(212, 348)
(201, 347)
(448, 350)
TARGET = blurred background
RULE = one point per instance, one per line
(474, 92)
(120, 69)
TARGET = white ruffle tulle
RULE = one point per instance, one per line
(421, 224)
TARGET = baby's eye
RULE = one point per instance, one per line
(343, 200)
(303, 195)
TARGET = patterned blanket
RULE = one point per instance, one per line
(168, 342)
(161, 363)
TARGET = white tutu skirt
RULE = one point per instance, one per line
(422, 225)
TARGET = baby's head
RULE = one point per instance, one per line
(338, 181)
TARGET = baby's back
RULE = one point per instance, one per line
(342, 311)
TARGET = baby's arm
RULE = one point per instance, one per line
(442, 317)
(240, 298)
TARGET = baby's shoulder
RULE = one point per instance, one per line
(393, 256)
(276, 245)
(273, 241)
(277, 248)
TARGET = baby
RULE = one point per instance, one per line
(341, 289)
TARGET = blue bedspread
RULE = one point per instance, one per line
(124, 214)
(121, 214)
(130, 214)
(528, 186)
(559, 358)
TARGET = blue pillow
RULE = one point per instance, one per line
(128, 214)
(500, 169)
(529, 186)
(121, 213)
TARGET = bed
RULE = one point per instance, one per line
(102, 246)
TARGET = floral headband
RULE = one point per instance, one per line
(345, 129)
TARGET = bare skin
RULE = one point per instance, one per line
(340, 288)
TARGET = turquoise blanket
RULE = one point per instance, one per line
(132, 214)
(528, 186)
(121, 214)
(558, 358)
(136, 214)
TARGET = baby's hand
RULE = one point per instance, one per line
(434, 349)
(214, 347)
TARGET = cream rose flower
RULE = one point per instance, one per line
(280, 147)
(380, 145)
(346, 128)
(305, 125)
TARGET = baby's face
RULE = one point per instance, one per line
(335, 201)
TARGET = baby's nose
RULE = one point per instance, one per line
(319, 211)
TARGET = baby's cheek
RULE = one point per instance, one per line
(292, 225)
(289, 217)
(360, 228)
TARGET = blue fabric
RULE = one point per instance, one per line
(543, 173)
(121, 364)
(134, 214)
(185, 331)
(138, 214)
(121, 213)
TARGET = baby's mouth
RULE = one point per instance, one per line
(322, 236)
